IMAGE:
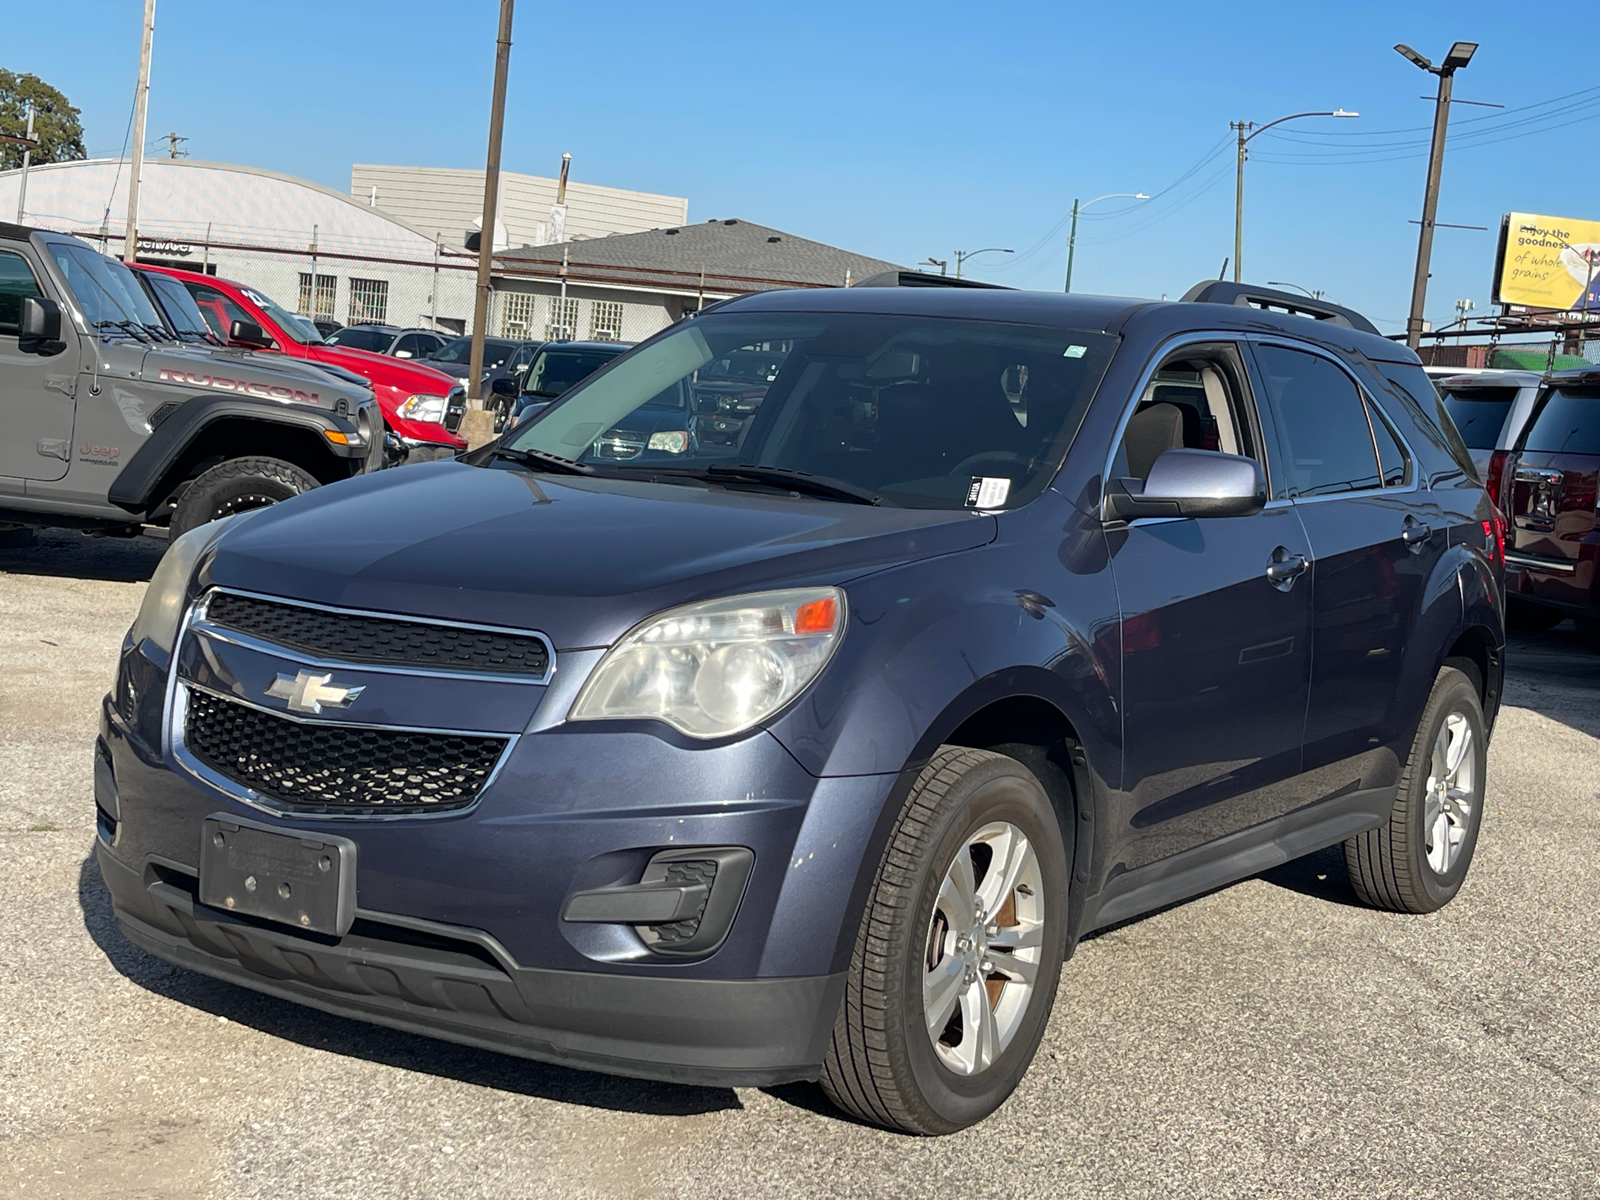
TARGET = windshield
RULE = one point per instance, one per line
(360, 338)
(554, 371)
(459, 351)
(182, 313)
(1479, 413)
(107, 293)
(915, 411)
(1568, 423)
(295, 327)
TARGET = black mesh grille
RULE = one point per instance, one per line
(683, 874)
(313, 767)
(387, 640)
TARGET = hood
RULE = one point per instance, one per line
(385, 370)
(272, 376)
(581, 560)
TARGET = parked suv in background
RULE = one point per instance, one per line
(1012, 616)
(1547, 488)
(1490, 408)
(388, 339)
(114, 416)
(413, 396)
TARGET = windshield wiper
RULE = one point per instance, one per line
(131, 328)
(538, 460)
(778, 477)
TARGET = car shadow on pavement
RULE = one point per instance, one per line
(374, 1043)
(1556, 674)
(67, 554)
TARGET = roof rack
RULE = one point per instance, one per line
(919, 279)
(1246, 295)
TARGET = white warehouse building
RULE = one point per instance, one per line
(322, 252)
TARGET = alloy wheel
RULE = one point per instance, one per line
(983, 949)
(1452, 793)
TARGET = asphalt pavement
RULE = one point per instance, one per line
(1270, 1039)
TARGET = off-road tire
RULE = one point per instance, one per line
(1535, 618)
(235, 486)
(881, 1066)
(1388, 865)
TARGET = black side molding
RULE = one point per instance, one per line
(168, 440)
(1248, 295)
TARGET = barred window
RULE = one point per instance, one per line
(516, 314)
(317, 303)
(605, 321)
(369, 301)
(563, 323)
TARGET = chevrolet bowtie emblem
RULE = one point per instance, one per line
(307, 693)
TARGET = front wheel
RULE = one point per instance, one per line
(955, 965)
(1417, 861)
(237, 486)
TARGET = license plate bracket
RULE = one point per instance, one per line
(302, 880)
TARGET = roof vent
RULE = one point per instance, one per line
(669, 232)
(730, 222)
(774, 239)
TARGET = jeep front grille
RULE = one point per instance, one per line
(379, 640)
(324, 768)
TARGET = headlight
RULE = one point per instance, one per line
(162, 609)
(719, 667)
(423, 408)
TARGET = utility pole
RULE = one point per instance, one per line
(477, 424)
(1460, 55)
(1072, 242)
(1248, 131)
(141, 108)
(172, 146)
(27, 155)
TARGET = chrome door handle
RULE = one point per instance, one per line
(1284, 568)
(1415, 533)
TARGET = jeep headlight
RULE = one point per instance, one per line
(162, 609)
(423, 408)
(719, 667)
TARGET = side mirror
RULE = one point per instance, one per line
(504, 386)
(39, 326)
(248, 333)
(1191, 483)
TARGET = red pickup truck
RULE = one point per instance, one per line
(413, 397)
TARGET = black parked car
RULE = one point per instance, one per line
(503, 358)
(1010, 617)
(557, 367)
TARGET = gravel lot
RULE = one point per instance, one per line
(1269, 1039)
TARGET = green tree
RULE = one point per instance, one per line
(55, 122)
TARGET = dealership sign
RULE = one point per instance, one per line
(166, 247)
(1548, 262)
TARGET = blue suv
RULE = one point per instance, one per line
(1005, 617)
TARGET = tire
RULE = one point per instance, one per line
(883, 1065)
(236, 486)
(16, 537)
(1534, 618)
(1417, 861)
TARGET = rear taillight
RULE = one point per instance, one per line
(1492, 478)
(1494, 537)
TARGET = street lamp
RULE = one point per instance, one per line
(1316, 295)
(963, 255)
(1460, 55)
(930, 261)
(1245, 138)
(1072, 238)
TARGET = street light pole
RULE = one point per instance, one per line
(1246, 136)
(141, 109)
(1460, 55)
(1072, 237)
(963, 255)
(477, 424)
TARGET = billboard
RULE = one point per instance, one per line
(1548, 262)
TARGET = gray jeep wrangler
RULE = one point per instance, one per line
(115, 415)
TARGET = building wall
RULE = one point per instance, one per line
(449, 201)
(528, 309)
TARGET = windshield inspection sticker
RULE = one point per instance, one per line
(988, 492)
(1073, 352)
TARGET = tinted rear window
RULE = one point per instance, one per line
(1480, 413)
(1568, 423)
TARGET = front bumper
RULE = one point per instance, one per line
(460, 985)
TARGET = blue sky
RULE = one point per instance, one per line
(904, 130)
